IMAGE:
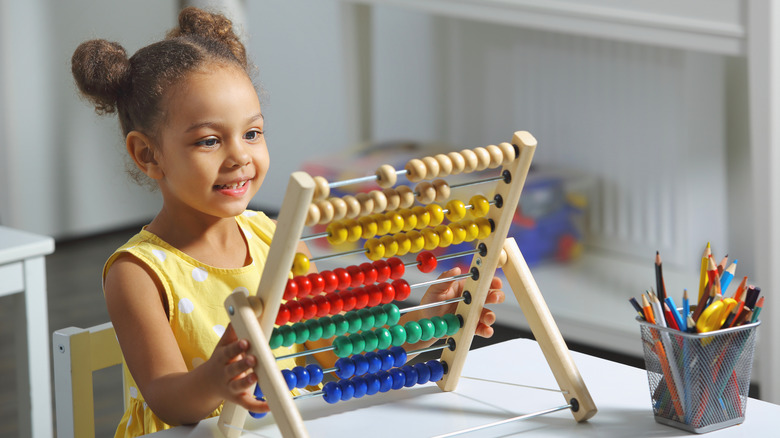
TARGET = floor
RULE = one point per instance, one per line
(75, 299)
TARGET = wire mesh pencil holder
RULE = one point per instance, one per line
(699, 382)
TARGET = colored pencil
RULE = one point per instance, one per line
(727, 276)
(659, 277)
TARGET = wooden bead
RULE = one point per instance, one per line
(458, 162)
(480, 206)
(432, 167)
(431, 238)
(415, 170)
(483, 158)
(496, 156)
(321, 189)
(383, 223)
(339, 208)
(502, 258)
(471, 160)
(436, 213)
(380, 201)
(426, 192)
(396, 222)
(458, 232)
(391, 245)
(445, 235)
(353, 206)
(456, 210)
(442, 190)
(326, 212)
(404, 244)
(508, 150)
(366, 203)
(313, 215)
(416, 240)
(337, 233)
(423, 217)
(407, 196)
(445, 164)
(393, 199)
(354, 230)
(386, 176)
(410, 220)
(369, 227)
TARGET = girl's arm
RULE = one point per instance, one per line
(137, 310)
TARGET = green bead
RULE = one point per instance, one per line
(393, 314)
(428, 330)
(372, 341)
(413, 331)
(276, 339)
(358, 343)
(439, 326)
(384, 337)
(355, 323)
(380, 316)
(342, 346)
(367, 318)
(315, 329)
(453, 323)
(341, 324)
(328, 327)
(301, 332)
(288, 335)
(399, 335)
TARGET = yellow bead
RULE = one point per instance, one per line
(404, 244)
(445, 235)
(391, 245)
(369, 227)
(337, 233)
(423, 217)
(300, 264)
(396, 222)
(431, 238)
(458, 232)
(375, 250)
(456, 210)
(410, 220)
(480, 206)
(436, 214)
(416, 240)
(383, 224)
(484, 227)
(472, 230)
(354, 230)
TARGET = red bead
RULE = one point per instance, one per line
(296, 311)
(382, 270)
(388, 293)
(397, 268)
(348, 296)
(309, 308)
(345, 280)
(427, 261)
(402, 289)
(361, 297)
(374, 295)
(323, 305)
(290, 291)
(336, 302)
(331, 281)
(304, 286)
(317, 283)
(283, 316)
(357, 276)
(369, 272)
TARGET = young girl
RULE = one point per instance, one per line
(193, 128)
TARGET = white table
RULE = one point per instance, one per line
(620, 392)
(23, 275)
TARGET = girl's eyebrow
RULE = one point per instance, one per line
(198, 125)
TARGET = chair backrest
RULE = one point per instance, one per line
(77, 354)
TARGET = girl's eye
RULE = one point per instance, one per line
(253, 134)
(211, 141)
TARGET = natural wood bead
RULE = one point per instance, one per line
(508, 150)
(313, 215)
(380, 201)
(442, 190)
(386, 176)
(393, 198)
(353, 206)
(502, 258)
(458, 162)
(415, 170)
(339, 208)
(366, 203)
(326, 211)
(445, 165)
(426, 192)
(407, 196)
(432, 167)
(471, 160)
(496, 156)
(321, 189)
(483, 158)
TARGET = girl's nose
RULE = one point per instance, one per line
(238, 154)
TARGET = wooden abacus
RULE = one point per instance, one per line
(390, 213)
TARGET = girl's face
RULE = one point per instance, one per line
(212, 155)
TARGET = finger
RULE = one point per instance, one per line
(442, 291)
(242, 384)
(230, 352)
(250, 403)
(487, 317)
(484, 331)
(495, 297)
(229, 336)
(240, 367)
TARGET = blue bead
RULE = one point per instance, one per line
(303, 377)
(385, 381)
(345, 368)
(347, 389)
(400, 356)
(372, 384)
(399, 378)
(315, 374)
(290, 378)
(437, 370)
(361, 364)
(411, 375)
(258, 392)
(374, 361)
(387, 359)
(361, 387)
(258, 414)
(423, 373)
(331, 392)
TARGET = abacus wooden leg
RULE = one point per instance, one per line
(546, 333)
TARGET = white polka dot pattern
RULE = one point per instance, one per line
(219, 330)
(241, 289)
(200, 274)
(186, 306)
(160, 254)
(133, 392)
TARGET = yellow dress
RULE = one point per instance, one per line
(195, 294)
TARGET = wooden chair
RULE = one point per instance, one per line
(77, 354)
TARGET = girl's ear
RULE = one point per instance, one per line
(140, 148)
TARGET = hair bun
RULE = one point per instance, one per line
(216, 27)
(100, 69)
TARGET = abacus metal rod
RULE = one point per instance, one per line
(429, 305)
(442, 280)
(340, 254)
(361, 179)
(447, 256)
(509, 420)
